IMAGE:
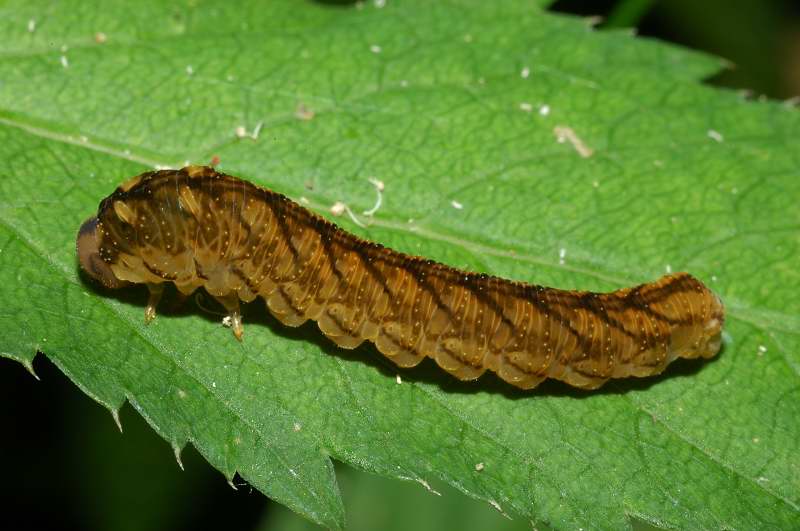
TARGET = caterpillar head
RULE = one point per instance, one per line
(90, 259)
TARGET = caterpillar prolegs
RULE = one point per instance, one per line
(196, 227)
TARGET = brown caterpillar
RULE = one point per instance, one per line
(197, 227)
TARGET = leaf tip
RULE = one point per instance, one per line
(115, 416)
(177, 449)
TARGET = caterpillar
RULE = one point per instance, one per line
(196, 227)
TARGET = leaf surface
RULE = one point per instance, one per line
(457, 107)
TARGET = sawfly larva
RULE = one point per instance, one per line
(196, 227)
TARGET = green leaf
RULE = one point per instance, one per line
(449, 104)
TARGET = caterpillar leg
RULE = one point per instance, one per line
(231, 304)
(156, 290)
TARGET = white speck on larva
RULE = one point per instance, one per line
(544, 110)
(525, 106)
(297, 427)
(31, 25)
(398, 379)
(455, 204)
(525, 72)
(338, 208)
(715, 135)
(64, 61)
(479, 467)
(375, 48)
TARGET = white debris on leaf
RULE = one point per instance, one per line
(337, 209)
(241, 131)
(379, 187)
(715, 135)
(525, 73)
(544, 110)
(304, 113)
(525, 106)
(455, 204)
(375, 48)
(564, 133)
(427, 486)
(257, 130)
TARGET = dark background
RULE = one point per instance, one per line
(66, 465)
